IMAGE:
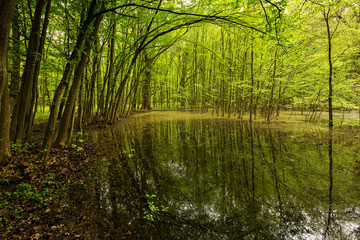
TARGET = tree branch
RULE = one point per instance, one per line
(213, 17)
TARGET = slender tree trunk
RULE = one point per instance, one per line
(110, 75)
(184, 60)
(326, 18)
(252, 81)
(270, 105)
(222, 74)
(243, 73)
(146, 90)
(81, 106)
(91, 100)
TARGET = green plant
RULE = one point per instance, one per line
(130, 153)
(20, 147)
(43, 151)
(4, 204)
(152, 208)
(17, 213)
(26, 191)
(80, 140)
(105, 164)
(4, 181)
(9, 228)
(79, 149)
(93, 179)
(79, 182)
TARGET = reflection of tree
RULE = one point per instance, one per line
(252, 160)
(328, 221)
(221, 180)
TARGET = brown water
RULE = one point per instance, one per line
(183, 176)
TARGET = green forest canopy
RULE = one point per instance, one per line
(104, 59)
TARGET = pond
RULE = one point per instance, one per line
(187, 176)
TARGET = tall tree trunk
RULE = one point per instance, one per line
(5, 128)
(110, 75)
(252, 81)
(91, 100)
(271, 98)
(326, 18)
(222, 69)
(16, 61)
(184, 60)
(146, 90)
(6, 10)
(81, 105)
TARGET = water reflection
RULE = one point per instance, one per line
(223, 179)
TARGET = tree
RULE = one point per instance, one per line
(6, 10)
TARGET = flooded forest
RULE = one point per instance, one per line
(179, 119)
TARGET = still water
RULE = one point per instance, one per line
(185, 177)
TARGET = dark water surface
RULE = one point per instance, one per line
(180, 177)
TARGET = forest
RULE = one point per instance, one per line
(72, 65)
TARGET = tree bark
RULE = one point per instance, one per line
(6, 10)
(16, 61)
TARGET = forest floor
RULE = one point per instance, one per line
(40, 200)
